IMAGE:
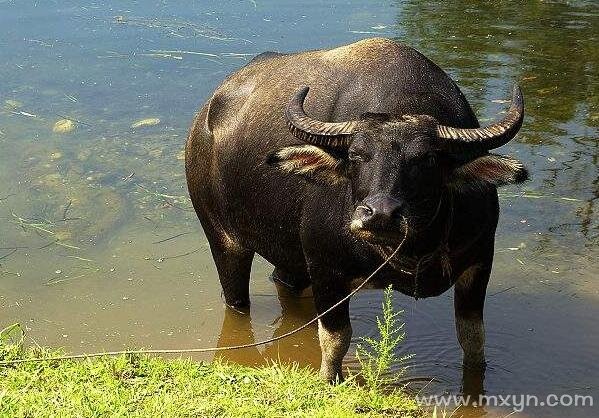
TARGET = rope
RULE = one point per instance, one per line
(214, 349)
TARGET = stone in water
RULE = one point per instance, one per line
(63, 126)
(146, 122)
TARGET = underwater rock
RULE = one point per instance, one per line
(146, 122)
(63, 235)
(63, 126)
(12, 104)
(56, 155)
(155, 153)
(73, 210)
(84, 154)
(50, 180)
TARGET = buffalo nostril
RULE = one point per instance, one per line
(364, 212)
(379, 212)
(396, 213)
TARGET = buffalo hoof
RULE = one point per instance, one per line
(239, 306)
(331, 375)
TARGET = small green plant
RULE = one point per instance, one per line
(377, 358)
(11, 342)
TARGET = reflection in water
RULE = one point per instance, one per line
(237, 329)
(548, 46)
(91, 251)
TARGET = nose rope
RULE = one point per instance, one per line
(437, 211)
(215, 349)
(442, 250)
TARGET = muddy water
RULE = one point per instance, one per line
(99, 248)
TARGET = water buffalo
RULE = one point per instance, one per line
(321, 161)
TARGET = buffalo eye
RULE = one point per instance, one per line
(429, 160)
(422, 165)
(414, 171)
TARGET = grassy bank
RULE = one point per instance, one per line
(152, 386)
(144, 386)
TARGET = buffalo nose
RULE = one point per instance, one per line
(378, 212)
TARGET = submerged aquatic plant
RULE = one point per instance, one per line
(377, 357)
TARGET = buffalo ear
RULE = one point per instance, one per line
(310, 161)
(492, 169)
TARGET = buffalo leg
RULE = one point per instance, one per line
(334, 331)
(233, 265)
(469, 299)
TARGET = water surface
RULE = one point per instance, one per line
(100, 249)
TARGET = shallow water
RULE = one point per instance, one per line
(99, 247)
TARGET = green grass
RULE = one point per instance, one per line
(143, 386)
